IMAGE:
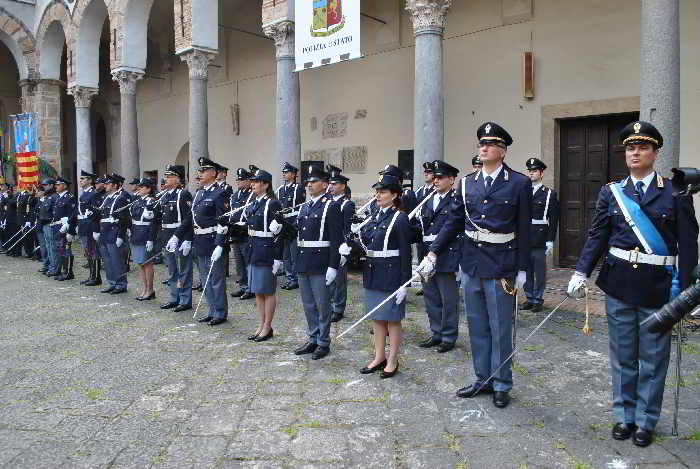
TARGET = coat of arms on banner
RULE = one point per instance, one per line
(328, 17)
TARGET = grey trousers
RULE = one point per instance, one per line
(115, 266)
(536, 276)
(241, 267)
(180, 277)
(50, 244)
(339, 290)
(216, 287)
(441, 296)
(316, 299)
(290, 254)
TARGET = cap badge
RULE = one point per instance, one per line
(487, 129)
(311, 168)
(380, 177)
(637, 127)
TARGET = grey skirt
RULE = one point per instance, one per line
(138, 253)
(389, 312)
(261, 280)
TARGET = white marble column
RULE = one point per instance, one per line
(198, 62)
(83, 96)
(429, 18)
(130, 162)
(287, 111)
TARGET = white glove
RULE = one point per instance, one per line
(344, 249)
(550, 247)
(69, 238)
(88, 213)
(216, 254)
(149, 246)
(221, 229)
(426, 268)
(172, 244)
(401, 295)
(147, 214)
(520, 280)
(64, 220)
(276, 266)
(343, 260)
(119, 242)
(185, 248)
(331, 273)
(577, 284)
(128, 232)
(275, 227)
(28, 224)
(64, 228)
(96, 236)
(354, 227)
(241, 223)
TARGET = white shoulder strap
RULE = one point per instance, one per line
(388, 230)
(323, 219)
(545, 218)
(267, 205)
(628, 218)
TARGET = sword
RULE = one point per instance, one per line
(14, 236)
(23, 236)
(378, 306)
(677, 391)
(365, 206)
(420, 205)
(204, 290)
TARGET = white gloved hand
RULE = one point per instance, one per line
(128, 232)
(344, 249)
(96, 236)
(221, 229)
(343, 260)
(64, 228)
(426, 268)
(216, 254)
(549, 248)
(520, 280)
(69, 238)
(64, 220)
(241, 223)
(119, 242)
(354, 227)
(401, 295)
(28, 224)
(185, 248)
(148, 214)
(276, 266)
(172, 244)
(149, 246)
(88, 213)
(275, 227)
(577, 284)
(331, 273)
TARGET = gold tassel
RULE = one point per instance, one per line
(587, 329)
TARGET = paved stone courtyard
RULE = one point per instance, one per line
(95, 380)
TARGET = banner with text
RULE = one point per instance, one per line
(326, 32)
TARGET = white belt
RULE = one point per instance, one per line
(636, 257)
(171, 225)
(140, 223)
(260, 234)
(203, 231)
(82, 217)
(313, 244)
(291, 214)
(540, 222)
(54, 223)
(387, 253)
(108, 220)
(429, 238)
(496, 238)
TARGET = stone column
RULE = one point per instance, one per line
(287, 111)
(47, 105)
(660, 77)
(198, 62)
(83, 98)
(28, 88)
(428, 17)
(129, 124)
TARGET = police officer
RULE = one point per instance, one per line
(64, 211)
(638, 275)
(238, 229)
(176, 235)
(440, 291)
(492, 206)
(85, 224)
(338, 189)
(24, 210)
(320, 234)
(44, 227)
(111, 234)
(210, 202)
(428, 177)
(228, 192)
(93, 227)
(290, 194)
(543, 232)
(145, 225)
(408, 197)
(477, 163)
(11, 227)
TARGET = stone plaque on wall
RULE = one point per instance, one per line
(355, 159)
(516, 11)
(335, 125)
(315, 155)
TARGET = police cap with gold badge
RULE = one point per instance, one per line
(175, 170)
(428, 167)
(534, 164)
(442, 168)
(476, 161)
(388, 181)
(289, 168)
(206, 163)
(146, 182)
(242, 174)
(393, 170)
(490, 132)
(252, 168)
(641, 132)
(316, 173)
(261, 175)
(333, 170)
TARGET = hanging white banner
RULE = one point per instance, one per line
(326, 32)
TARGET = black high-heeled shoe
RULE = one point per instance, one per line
(368, 370)
(389, 374)
(152, 296)
(263, 338)
(254, 336)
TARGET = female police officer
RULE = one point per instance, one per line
(145, 224)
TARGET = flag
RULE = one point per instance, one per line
(25, 149)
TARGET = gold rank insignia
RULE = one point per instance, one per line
(637, 127)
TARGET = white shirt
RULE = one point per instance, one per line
(494, 175)
(646, 181)
(337, 197)
(437, 198)
(535, 187)
(315, 199)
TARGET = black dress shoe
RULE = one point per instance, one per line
(285, 286)
(263, 338)
(473, 390)
(419, 292)
(205, 319)
(238, 293)
(247, 296)
(526, 306)
(368, 370)
(117, 291)
(642, 437)
(308, 347)
(389, 374)
(335, 317)
(292, 286)
(445, 347)
(164, 282)
(622, 431)
(427, 343)
(501, 399)
(169, 305)
(197, 288)
(320, 352)
(152, 296)
(217, 321)
(536, 308)
(107, 290)
(42, 270)
(179, 308)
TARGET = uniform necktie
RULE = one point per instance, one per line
(640, 190)
(489, 181)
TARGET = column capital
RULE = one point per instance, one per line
(198, 62)
(127, 80)
(428, 16)
(282, 33)
(82, 95)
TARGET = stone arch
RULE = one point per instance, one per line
(19, 39)
(183, 157)
(132, 46)
(89, 17)
(55, 31)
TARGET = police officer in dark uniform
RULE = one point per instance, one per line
(339, 288)
(646, 262)
(492, 207)
(44, 218)
(228, 192)
(238, 230)
(440, 291)
(291, 194)
(64, 211)
(476, 163)
(176, 235)
(543, 232)
(111, 234)
(428, 177)
(210, 202)
(24, 210)
(320, 234)
(85, 214)
(11, 227)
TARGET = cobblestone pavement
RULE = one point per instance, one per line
(94, 380)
